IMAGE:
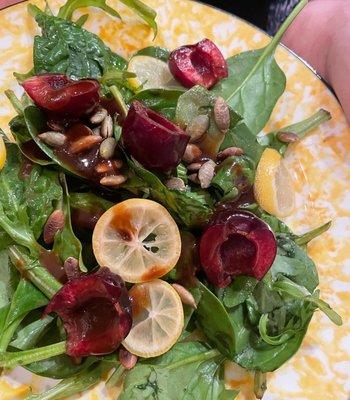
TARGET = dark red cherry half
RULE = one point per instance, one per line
(199, 64)
(61, 96)
(152, 140)
(96, 313)
(236, 243)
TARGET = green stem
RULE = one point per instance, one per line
(13, 359)
(272, 45)
(38, 275)
(308, 236)
(122, 107)
(15, 102)
(115, 377)
(259, 384)
(198, 357)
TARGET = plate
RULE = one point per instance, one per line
(320, 165)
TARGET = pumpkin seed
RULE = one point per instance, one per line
(113, 180)
(52, 138)
(127, 359)
(107, 148)
(175, 183)
(197, 128)
(98, 116)
(206, 174)
(287, 137)
(107, 127)
(194, 166)
(192, 152)
(230, 151)
(85, 143)
(53, 225)
(193, 178)
(222, 114)
(185, 296)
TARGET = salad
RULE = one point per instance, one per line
(141, 241)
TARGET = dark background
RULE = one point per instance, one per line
(254, 11)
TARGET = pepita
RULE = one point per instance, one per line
(222, 114)
(230, 151)
(185, 296)
(53, 225)
(53, 138)
(287, 137)
(192, 152)
(197, 128)
(107, 148)
(206, 174)
(175, 183)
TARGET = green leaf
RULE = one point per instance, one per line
(89, 202)
(192, 208)
(300, 129)
(75, 384)
(27, 337)
(66, 244)
(27, 199)
(66, 48)
(154, 51)
(187, 371)
(66, 11)
(215, 322)
(239, 290)
(163, 101)
(289, 287)
(255, 80)
(241, 136)
(234, 176)
(198, 101)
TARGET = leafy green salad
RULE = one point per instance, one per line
(140, 239)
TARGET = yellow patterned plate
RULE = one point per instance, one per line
(321, 369)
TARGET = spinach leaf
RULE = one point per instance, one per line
(304, 239)
(300, 129)
(154, 51)
(241, 136)
(27, 200)
(75, 384)
(66, 48)
(66, 244)
(255, 81)
(187, 371)
(214, 321)
(239, 290)
(198, 101)
(234, 176)
(163, 101)
(88, 202)
(192, 208)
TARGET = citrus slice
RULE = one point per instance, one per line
(158, 319)
(273, 186)
(137, 239)
(2, 153)
(150, 73)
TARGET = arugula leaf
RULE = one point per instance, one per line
(300, 129)
(66, 48)
(215, 322)
(66, 244)
(27, 200)
(75, 384)
(255, 80)
(192, 208)
(27, 337)
(66, 11)
(234, 176)
(198, 101)
(154, 51)
(304, 239)
(187, 371)
(163, 101)
(143, 11)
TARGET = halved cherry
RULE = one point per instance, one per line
(199, 64)
(96, 313)
(153, 140)
(62, 96)
(236, 243)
